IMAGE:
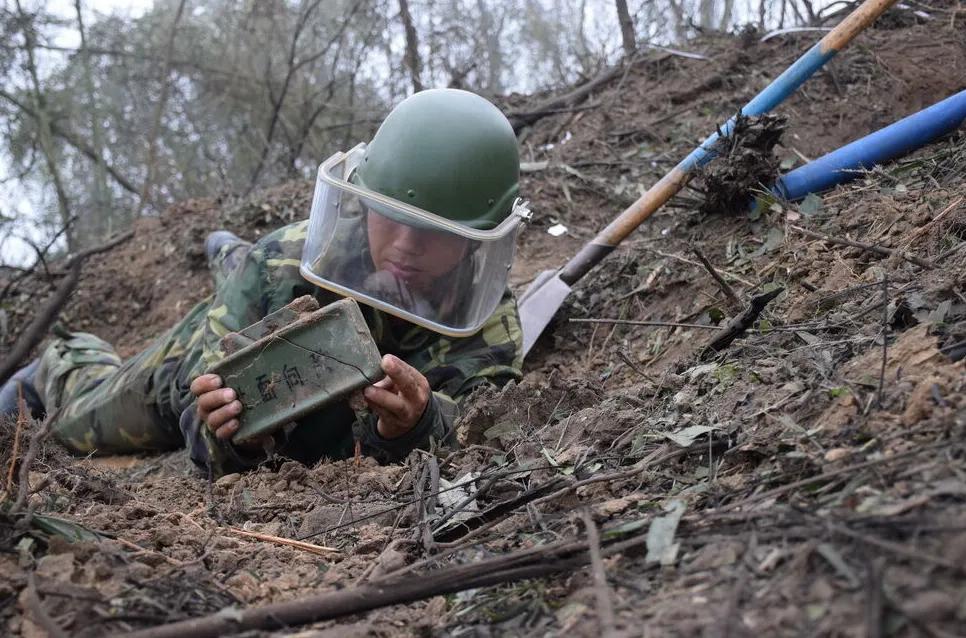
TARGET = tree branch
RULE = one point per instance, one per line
(35, 332)
(158, 111)
(74, 141)
(280, 100)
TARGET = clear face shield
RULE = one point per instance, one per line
(403, 260)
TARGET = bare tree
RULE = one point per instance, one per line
(490, 30)
(412, 46)
(43, 123)
(628, 37)
(102, 194)
(73, 140)
(159, 111)
(292, 67)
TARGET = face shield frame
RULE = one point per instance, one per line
(335, 173)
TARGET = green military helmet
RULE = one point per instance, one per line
(449, 152)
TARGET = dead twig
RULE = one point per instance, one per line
(872, 248)
(657, 324)
(825, 476)
(494, 513)
(873, 600)
(728, 291)
(36, 442)
(523, 118)
(21, 423)
(34, 332)
(741, 323)
(321, 550)
(899, 550)
(885, 337)
(685, 260)
(39, 613)
(605, 605)
(426, 506)
(925, 229)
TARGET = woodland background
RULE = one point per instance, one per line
(107, 115)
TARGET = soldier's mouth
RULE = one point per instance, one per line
(402, 271)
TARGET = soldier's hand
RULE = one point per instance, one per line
(399, 399)
(218, 407)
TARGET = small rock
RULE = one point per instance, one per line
(837, 454)
(56, 566)
(931, 606)
(683, 398)
(228, 480)
(389, 561)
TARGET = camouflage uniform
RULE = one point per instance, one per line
(109, 407)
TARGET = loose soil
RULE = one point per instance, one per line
(819, 459)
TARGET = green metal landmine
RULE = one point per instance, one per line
(296, 361)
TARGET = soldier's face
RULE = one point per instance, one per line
(416, 256)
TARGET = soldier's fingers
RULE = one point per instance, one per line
(385, 382)
(410, 382)
(407, 378)
(211, 401)
(205, 383)
(223, 415)
(382, 399)
(228, 430)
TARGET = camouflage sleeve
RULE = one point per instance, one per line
(494, 355)
(454, 368)
(266, 280)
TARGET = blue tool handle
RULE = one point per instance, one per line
(895, 140)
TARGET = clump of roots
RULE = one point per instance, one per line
(746, 161)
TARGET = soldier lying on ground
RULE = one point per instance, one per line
(418, 226)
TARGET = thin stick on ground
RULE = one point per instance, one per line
(321, 550)
(694, 263)
(728, 291)
(656, 324)
(39, 613)
(36, 443)
(935, 220)
(605, 605)
(21, 423)
(872, 248)
(885, 336)
(818, 478)
(900, 550)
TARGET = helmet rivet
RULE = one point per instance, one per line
(490, 202)
(411, 192)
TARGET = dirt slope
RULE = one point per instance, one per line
(817, 463)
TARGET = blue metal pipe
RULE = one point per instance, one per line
(895, 140)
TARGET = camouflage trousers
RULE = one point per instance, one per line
(103, 405)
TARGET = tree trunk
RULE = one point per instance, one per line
(628, 36)
(490, 31)
(412, 45)
(158, 112)
(43, 126)
(101, 199)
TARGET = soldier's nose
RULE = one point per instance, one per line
(409, 240)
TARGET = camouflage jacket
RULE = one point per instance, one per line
(268, 279)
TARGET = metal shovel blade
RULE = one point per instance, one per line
(539, 304)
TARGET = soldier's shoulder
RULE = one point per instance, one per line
(285, 242)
